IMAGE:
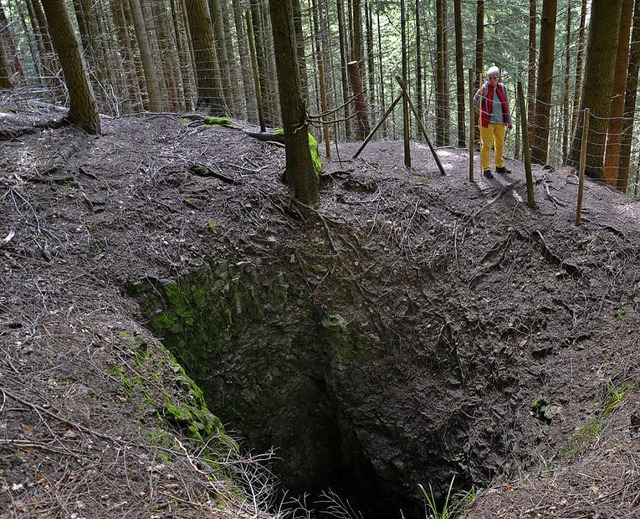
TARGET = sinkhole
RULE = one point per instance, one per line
(284, 370)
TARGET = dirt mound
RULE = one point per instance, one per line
(520, 324)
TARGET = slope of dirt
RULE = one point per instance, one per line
(514, 329)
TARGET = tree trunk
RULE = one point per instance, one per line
(5, 74)
(602, 48)
(357, 52)
(479, 42)
(566, 116)
(355, 78)
(381, 68)
(300, 49)
(146, 56)
(612, 151)
(112, 91)
(419, 67)
(370, 57)
(579, 62)
(301, 177)
(221, 54)
(344, 52)
(6, 33)
(130, 87)
(540, 145)
(168, 57)
(232, 61)
(247, 83)
(442, 98)
(182, 38)
(531, 72)
(43, 43)
(209, 93)
(630, 100)
(460, 80)
(260, 39)
(83, 110)
(479, 54)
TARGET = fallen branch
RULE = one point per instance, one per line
(205, 171)
(269, 137)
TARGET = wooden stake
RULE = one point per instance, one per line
(525, 146)
(583, 160)
(472, 125)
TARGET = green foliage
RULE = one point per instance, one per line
(544, 410)
(452, 503)
(214, 226)
(592, 428)
(621, 312)
(614, 397)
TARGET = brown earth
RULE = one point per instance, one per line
(525, 325)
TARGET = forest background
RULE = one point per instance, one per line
(218, 56)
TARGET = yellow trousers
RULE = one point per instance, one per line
(492, 135)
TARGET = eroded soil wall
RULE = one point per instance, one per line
(271, 366)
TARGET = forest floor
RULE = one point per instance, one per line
(82, 217)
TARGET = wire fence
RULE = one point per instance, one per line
(170, 72)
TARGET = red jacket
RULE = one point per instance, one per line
(486, 104)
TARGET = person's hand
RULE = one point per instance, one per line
(478, 93)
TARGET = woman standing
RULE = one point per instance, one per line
(493, 102)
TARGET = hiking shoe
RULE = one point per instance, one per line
(503, 170)
(488, 174)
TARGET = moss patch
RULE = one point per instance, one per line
(315, 152)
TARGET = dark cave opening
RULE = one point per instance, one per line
(270, 365)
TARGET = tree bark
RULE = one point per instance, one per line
(479, 54)
(6, 33)
(5, 74)
(344, 52)
(419, 67)
(301, 178)
(442, 98)
(612, 150)
(221, 54)
(355, 78)
(248, 92)
(457, 14)
(602, 47)
(531, 70)
(566, 116)
(540, 144)
(370, 57)
(630, 100)
(146, 56)
(83, 110)
(209, 92)
(300, 49)
(579, 64)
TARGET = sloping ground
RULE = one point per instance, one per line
(601, 479)
(508, 336)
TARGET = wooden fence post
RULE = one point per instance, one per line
(472, 125)
(525, 146)
(583, 160)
